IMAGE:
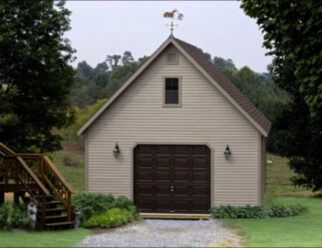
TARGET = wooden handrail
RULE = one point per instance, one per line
(29, 155)
(6, 149)
(57, 173)
(45, 173)
(34, 177)
(55, 190)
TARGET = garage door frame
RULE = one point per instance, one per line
(212, 167)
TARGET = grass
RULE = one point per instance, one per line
(66, 238)
(75, 175)
(278, 176)
(299, 231)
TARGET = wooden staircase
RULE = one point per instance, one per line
(35, 177)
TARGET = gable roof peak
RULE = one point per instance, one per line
(208, 69)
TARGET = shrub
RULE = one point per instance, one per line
(13, 216)
(286, 210)
(270, 208)
(232, 212)
(90, 204)
(112, 218)
(124, 203)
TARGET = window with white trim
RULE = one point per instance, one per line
(172, 91)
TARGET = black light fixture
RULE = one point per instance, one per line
(116, 151)
(227, 153)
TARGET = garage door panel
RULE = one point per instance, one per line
(163, 190)
(199, 205)
(181, 206)
(145, 190)
(200, 176)
(162, 176)
(145, 205)
(181, 162)
(163, 205)
(172, 178)
(200, 190)
(146, 162)
(181, 176)
(162, 149)
(200, 162)
(145, 175)
(162, 162)
(181, 191)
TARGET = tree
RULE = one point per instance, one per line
(127, 58)
(292, 33)
(223, 64)
(84, 70)
(35, 78)
(100, 74)
(113, 60)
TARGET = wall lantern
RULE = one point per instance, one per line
(227, 153)
(116, 151)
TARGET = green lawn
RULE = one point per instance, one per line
(73, 174)
(278, 174)
(66, 238)
(300, 231)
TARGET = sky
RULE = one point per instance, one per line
(101, 28)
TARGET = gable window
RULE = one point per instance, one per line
(172, 58)
(172, 90)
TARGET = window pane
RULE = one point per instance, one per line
(171, 91)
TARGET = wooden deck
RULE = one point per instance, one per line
(35, 177)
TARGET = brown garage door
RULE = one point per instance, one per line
(172, 178)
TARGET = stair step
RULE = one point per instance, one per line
(56, 216)
(55, 209)
(53, 202)
(59, 224)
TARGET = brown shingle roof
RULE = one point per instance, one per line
(226, 84)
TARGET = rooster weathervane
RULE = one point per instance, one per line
(173, 15)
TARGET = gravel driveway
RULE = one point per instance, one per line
(166, 233)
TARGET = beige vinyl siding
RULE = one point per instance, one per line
(206, 117)
(263, 167)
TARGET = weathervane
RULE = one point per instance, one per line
(173, 15)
